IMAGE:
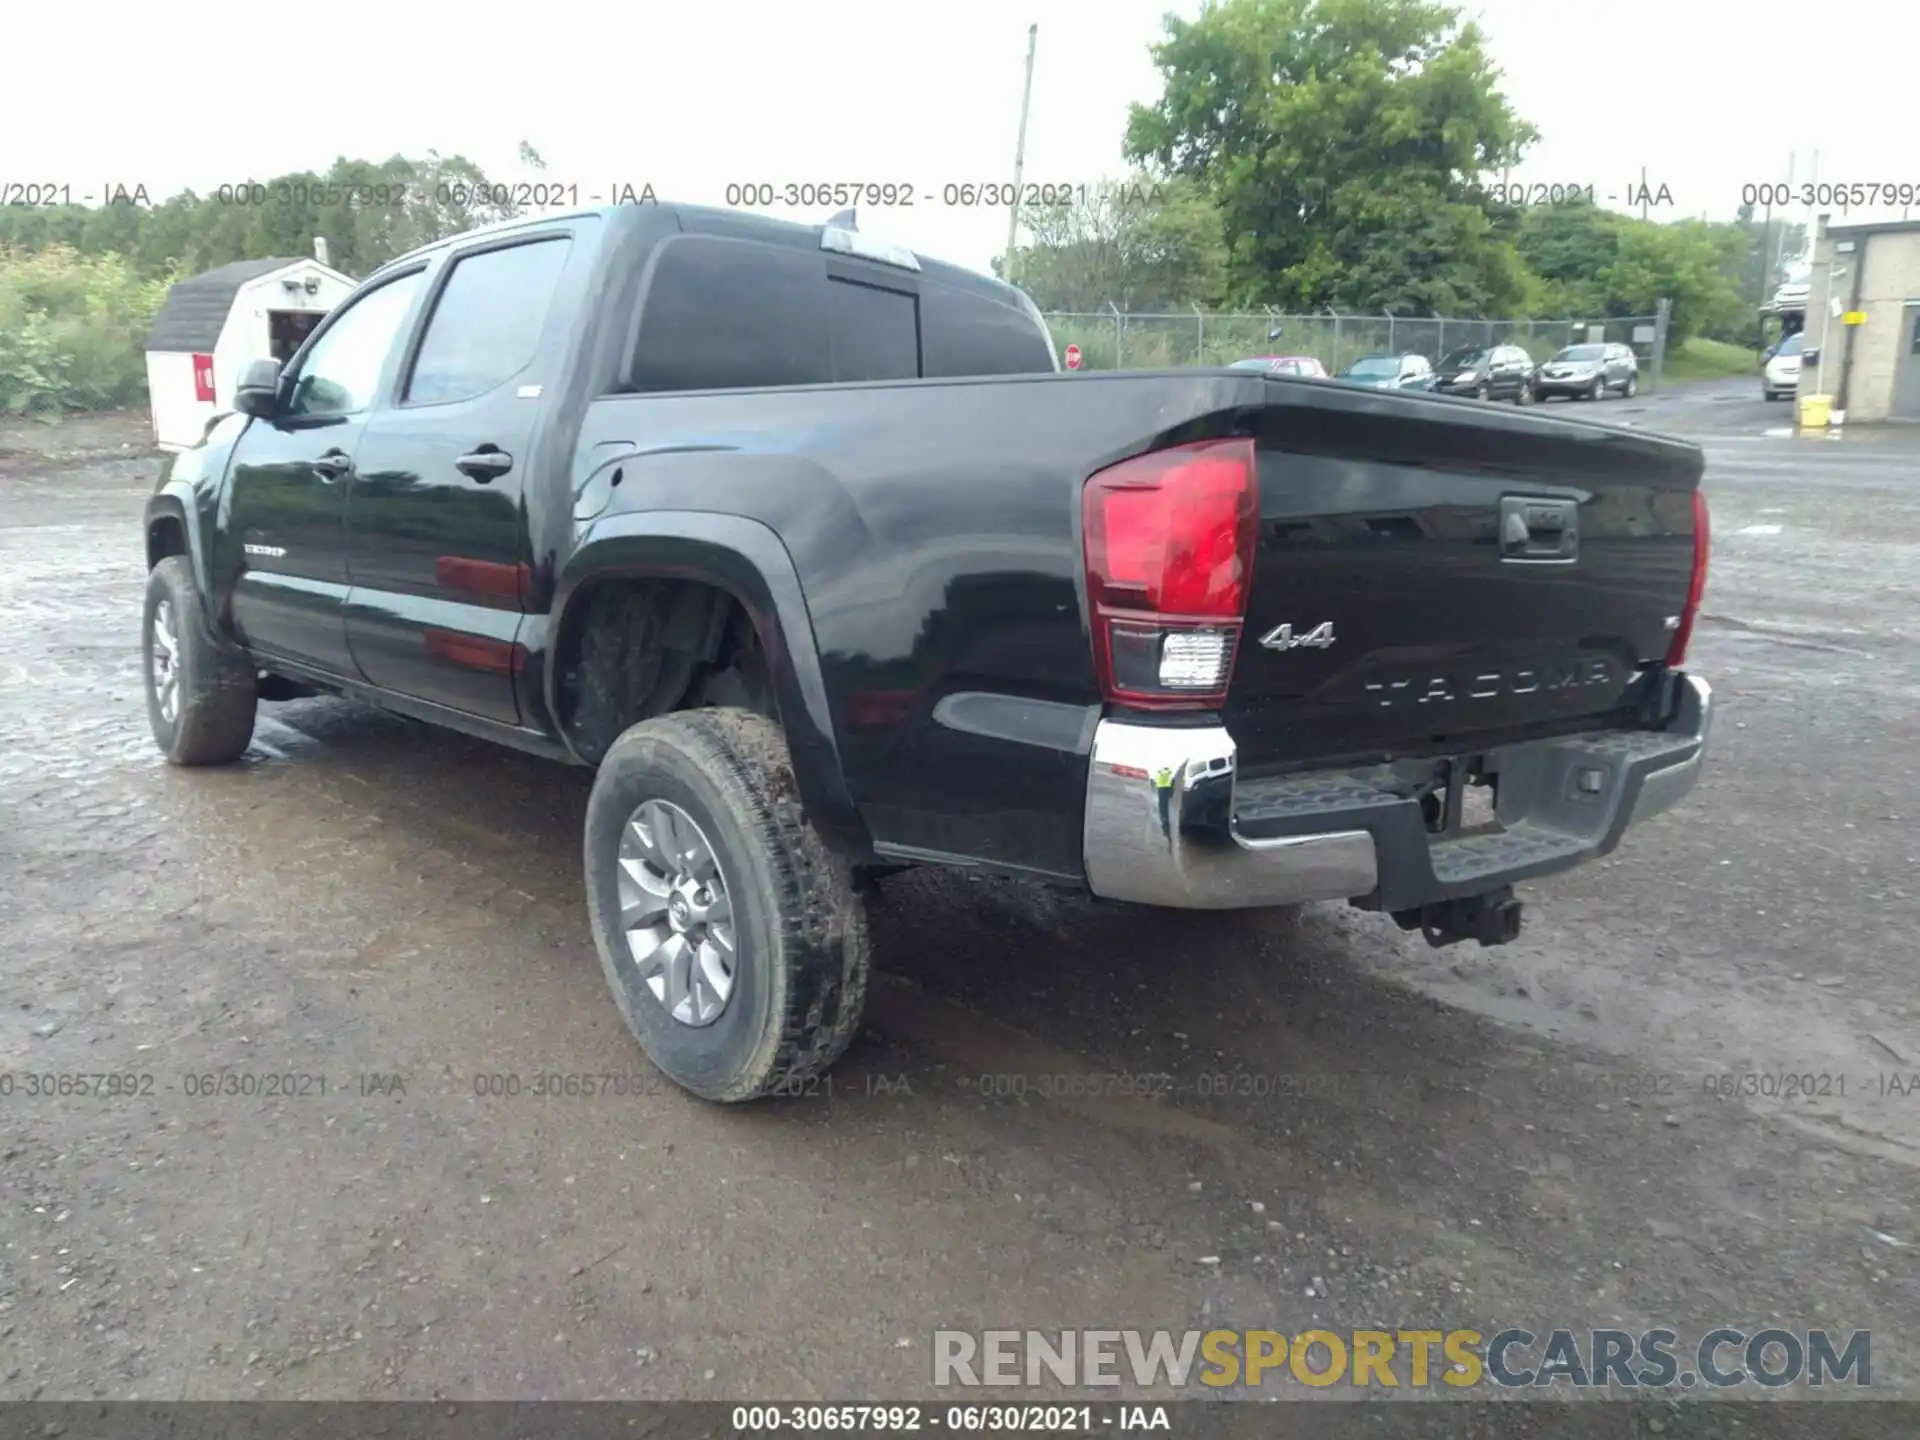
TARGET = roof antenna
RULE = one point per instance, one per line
(843, 221)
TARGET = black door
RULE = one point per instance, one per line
(1506, 372)
(437, 532)
(284, 539)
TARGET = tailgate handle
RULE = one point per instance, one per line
(1535, 529)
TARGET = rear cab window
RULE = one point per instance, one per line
(872, 333)
(725, 312)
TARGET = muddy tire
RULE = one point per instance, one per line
(200, 703)
(730, 935)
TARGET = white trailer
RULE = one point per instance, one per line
(212, 325)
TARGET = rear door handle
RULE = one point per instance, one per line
(485, 463)
(332, 465)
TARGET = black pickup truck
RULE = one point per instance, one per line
(810, 548)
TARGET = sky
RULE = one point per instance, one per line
(1708, 95)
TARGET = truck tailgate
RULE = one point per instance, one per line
(1432, 575)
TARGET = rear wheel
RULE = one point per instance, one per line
(731, 936)
(1525, 397)
(201, 703)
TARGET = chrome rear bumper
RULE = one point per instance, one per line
(1168, 823)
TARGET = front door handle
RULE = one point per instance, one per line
(332, 465)
(485, 463)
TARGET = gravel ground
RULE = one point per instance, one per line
(1408, 1137)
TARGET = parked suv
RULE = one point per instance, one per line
(1389, 372)
(1588, 372)
(1487, 372)
(1782, 374)
(1283, 365)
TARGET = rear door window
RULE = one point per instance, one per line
(487, 321)
(721, 313)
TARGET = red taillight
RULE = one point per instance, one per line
(1170, 540)
(1696, 587)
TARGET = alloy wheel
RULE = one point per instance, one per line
(163, 657)
(676, 916)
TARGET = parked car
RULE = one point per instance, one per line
(1283, 365)
(1588, 372)
(1389, 372)
(1487, 372)
(802, 544)
(1782, 374)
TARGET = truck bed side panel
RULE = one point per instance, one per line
(935, 527)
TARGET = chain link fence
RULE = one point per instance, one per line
(1115, 340)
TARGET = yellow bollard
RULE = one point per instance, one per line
(1814, 410)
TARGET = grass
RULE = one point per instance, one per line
(1699, 359)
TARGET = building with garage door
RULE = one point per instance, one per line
(211, 326)
(1863, 319)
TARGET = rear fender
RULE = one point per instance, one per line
(747, 560)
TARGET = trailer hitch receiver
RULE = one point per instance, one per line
(1492, 919)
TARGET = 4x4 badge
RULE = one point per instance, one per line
(1281, 637)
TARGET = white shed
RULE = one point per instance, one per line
(212, 325)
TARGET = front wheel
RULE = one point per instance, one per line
(200, 703)
(731, 936)
(1633, 387)
(1599, 390)
(1482, 393)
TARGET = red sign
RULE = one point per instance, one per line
(203, 378)
(1073, 357)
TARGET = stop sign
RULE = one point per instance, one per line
(1073, 357)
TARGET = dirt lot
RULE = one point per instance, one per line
(1409, 1137)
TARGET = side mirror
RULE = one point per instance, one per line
(258, 393)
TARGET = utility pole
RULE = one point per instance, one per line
(1643, 192)
(1813, 195)
(1770, 245)
(1020, 155)
(1780, 247)
(1780, 255)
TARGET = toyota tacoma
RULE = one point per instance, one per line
(807, 546)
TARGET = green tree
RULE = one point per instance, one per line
(368, 211)
(1343, 141)
(72, 330)
(1141, 245)
(1594, 263)
(1693, 263)
(1570, 248)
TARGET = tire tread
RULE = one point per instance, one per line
(819, 966)
(218, 696)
